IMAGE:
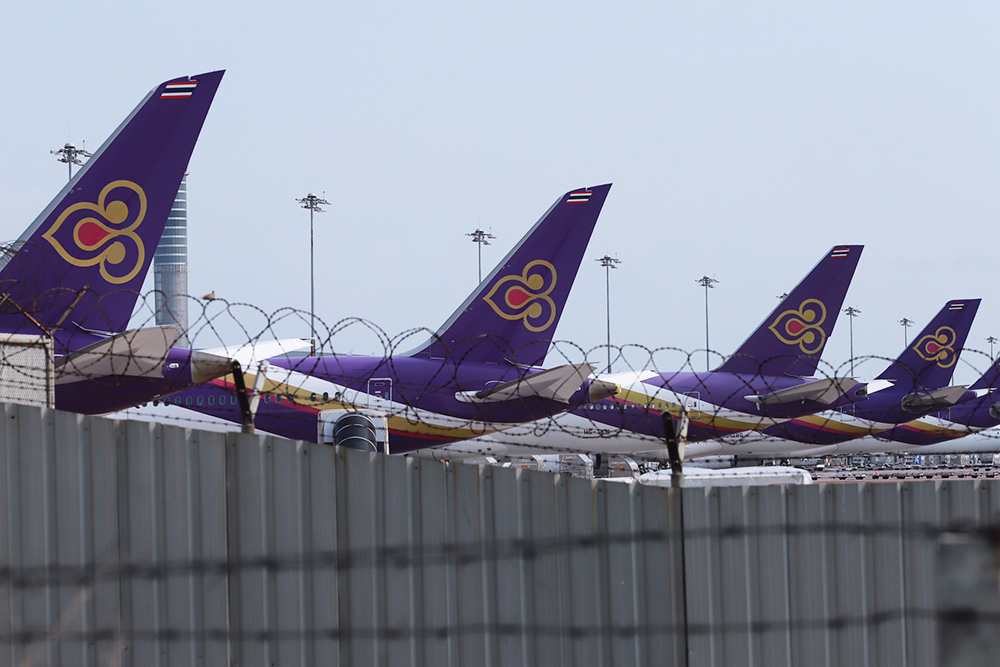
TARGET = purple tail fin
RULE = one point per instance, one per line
(83, 260)
(791, 340)
(930, 359)
(990, 379)
(512, 316)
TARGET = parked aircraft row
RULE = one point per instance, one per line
(476, 386)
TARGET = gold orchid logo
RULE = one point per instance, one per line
(802, 326)
(103, 234)
(938, 347)
(526, 297)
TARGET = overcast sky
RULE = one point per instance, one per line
(743, 139)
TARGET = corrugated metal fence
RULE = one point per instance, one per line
(126, 543)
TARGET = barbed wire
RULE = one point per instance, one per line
(836, 623)
(67, 578)
(453, 553)
(636, 413)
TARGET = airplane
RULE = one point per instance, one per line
(478, 373)
(912, 386)
(74, 275)
(971, 416)
(768, 380)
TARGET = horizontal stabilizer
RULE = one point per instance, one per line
(557, 384)
(821, 391)
(136, 353)
(933, 401)
(252, 353)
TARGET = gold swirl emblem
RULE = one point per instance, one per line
(103, 234)
(802, 327)
(526, 297)
(938, 347)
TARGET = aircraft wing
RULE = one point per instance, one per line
(136, 353)
(557, 384)
(934, 400)
(822, 391)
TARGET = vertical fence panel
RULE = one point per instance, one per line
(540, 515)
(250, 542)
(851, 579)
(205, 455)
(620, 574)
(921, 514)
(504, 545)
(734, 574)
(703, 578)
(809, 572)
(286, 528)
(141, 541)
(319, 468)
(770, 581)
(10, 544)
(660, 559)
(394, 584)
(430, 532)
(989, 498)
(87, 509)
(887, 568)
(193, 531)
(355, 517)
(470, 566)
(579, 588)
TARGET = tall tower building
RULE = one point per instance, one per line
(170, 267)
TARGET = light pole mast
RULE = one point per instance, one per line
(71, 155)
(991, 340)
(312, 202)
(707, 283)
(608, 262)
(481, 238)
(906, 324)
(852, 312)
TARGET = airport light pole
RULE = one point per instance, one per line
(991, 340)
(782, 296)
(906, 324)
(608, 262)
(707, 283)
(852, 312)
(71, 155)
(481, 238)
(312, 202)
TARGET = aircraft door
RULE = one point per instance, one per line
(691, 400)
(379, 389)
